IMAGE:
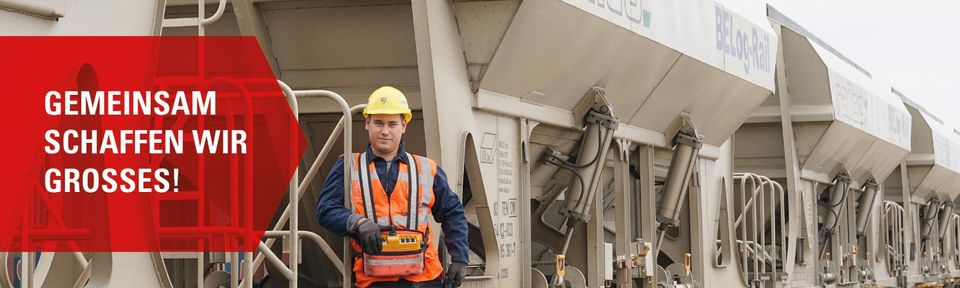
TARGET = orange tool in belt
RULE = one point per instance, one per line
(401, 254)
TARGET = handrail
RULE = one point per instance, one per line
(32, 8)
(743, 231)
(347, 165)
(294, 202)
(755, 194)
(276, 262)
(221, 6)
(200, 21)
(956, 240)
(893, 237)
(290, 211)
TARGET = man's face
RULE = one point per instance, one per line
(385, 132)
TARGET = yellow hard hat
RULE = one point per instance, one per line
(387, 100)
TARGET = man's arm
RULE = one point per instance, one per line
(330, 210)
(449, 212)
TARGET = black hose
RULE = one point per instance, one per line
(846, 189)
(571, 168)
(582, 184)
(836, 214)
(599, 149)
(929, 231)
(928, 219)
(829, 231)
(930, 202)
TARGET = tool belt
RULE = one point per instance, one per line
(401, 254)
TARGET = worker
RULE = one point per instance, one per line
(386, 191)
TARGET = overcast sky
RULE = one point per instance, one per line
(913, 46)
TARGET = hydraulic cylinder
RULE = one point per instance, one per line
(866, 205)
(681, 168)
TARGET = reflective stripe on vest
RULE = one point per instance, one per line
(413, 207)
(396, 261)
(371, 213)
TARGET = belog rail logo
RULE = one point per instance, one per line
(141, 143)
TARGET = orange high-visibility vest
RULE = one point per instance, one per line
(395, 210)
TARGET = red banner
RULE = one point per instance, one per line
(141, 144)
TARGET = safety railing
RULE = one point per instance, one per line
(948, 239)
(291, 213)
(200, 21)
(955, 234)
(761, 229)
(894, 249)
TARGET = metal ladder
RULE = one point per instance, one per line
(290, 213)
(200, 21)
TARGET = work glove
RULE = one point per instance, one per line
(455, 273)
(367, 232)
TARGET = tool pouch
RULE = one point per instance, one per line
(398, 264)
(403, 255)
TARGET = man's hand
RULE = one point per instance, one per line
(368, 234)
(454, 276)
